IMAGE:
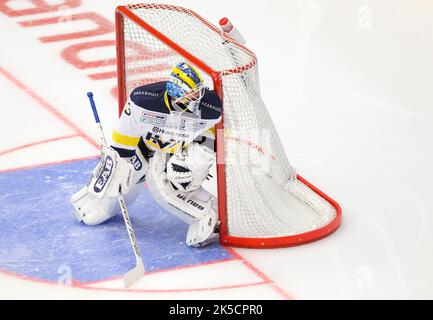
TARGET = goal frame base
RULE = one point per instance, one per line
(292, 240)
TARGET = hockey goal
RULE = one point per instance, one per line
(262, 202)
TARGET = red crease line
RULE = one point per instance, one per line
(79, 285)
(259, 273)
(165, 270)
(236, 286)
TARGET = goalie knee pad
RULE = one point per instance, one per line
(197, 208)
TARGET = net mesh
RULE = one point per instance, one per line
(264, 199)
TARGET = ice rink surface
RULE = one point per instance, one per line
(349, 87)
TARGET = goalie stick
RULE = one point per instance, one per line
(135, 274)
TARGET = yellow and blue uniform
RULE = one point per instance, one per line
(151, 123)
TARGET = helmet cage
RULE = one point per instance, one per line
(184, 96)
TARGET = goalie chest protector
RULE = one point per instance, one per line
(165, 129)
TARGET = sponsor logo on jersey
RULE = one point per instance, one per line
(156, 142)
(146, 93)
(189, 125)
(156, 130)
(211, 106)
(104, 175)
(153, 118)
(163, 131)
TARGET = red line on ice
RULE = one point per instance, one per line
(46, 164)
(236, 286)
(166, 270)
(28, 145)
(259, 273)
(43, 103)
(78, 285)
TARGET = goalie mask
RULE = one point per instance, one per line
(185, 87)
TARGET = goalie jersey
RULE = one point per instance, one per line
(150, 121)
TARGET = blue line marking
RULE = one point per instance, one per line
(39, 234)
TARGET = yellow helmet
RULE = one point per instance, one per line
(185, 85)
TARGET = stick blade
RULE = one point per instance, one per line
(134, 275)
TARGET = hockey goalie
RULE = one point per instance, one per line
(164, 137)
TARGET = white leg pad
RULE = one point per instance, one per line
(197, 208)
(92, 210)
(202, 232)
